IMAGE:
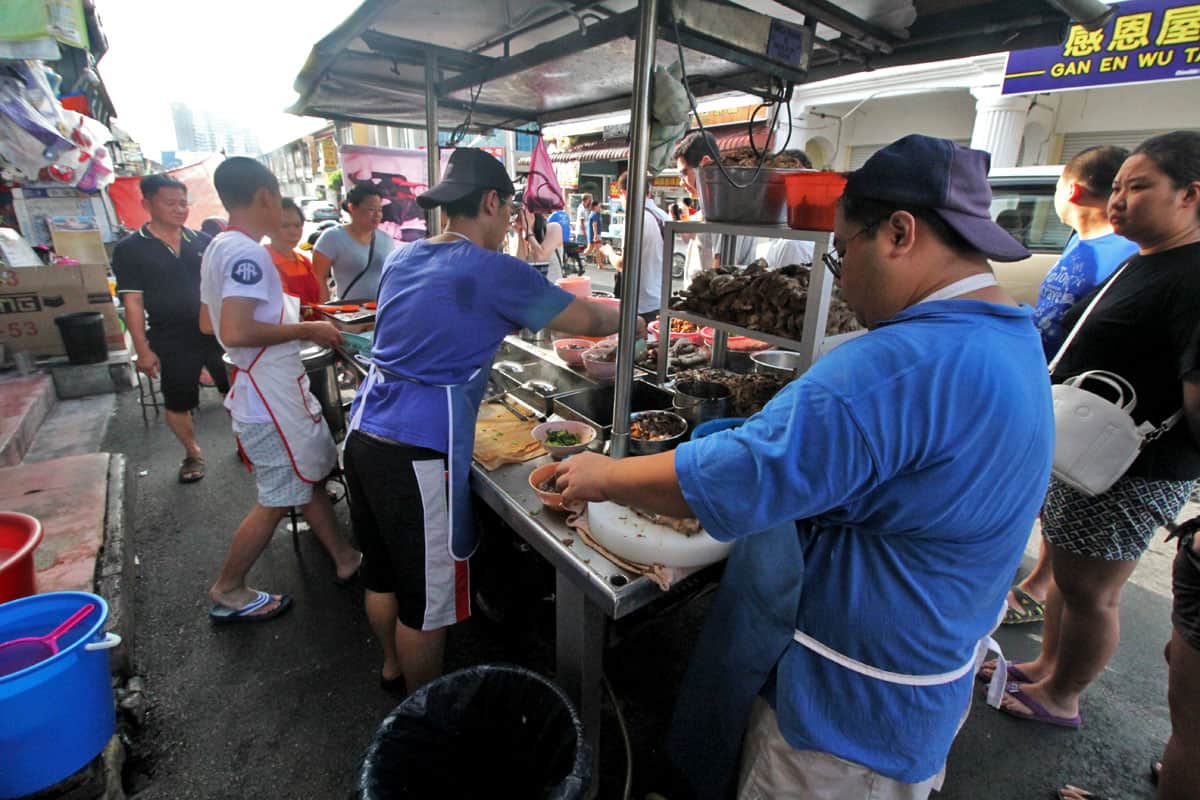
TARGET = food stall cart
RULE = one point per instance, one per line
(519, 64)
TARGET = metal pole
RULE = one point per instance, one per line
(433, 217)
(639, 158)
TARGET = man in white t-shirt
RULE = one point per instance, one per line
(650, 264)
(581, 216)
(280, 429)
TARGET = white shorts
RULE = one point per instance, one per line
(278, 484)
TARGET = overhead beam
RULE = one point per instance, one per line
(618, 27)
(827, 13)
(718, 49)
(414, 52)
(577, 6)
(1044, 35)
(397, 86)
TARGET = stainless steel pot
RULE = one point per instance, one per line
(700, 401)
(645, 447)
(319, 364)
(784, 363)
(763, 201)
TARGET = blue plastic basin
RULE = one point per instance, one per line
(714, 425)
(57, 714)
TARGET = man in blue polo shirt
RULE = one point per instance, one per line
(158, 278)
(879, 504)
(445, 305)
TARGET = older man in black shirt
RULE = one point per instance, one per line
(158, 279)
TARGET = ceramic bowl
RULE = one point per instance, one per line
(572, 357)
(597, 368)
(552, 500)
(585, 432)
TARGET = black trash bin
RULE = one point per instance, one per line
(83, 335)
(487, 731)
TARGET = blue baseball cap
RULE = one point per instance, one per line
(946, 178)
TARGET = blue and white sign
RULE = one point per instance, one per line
(1145, 40)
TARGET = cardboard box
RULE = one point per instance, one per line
(31, 297)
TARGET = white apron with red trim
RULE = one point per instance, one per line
(277, 376)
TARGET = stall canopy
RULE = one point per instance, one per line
(728, 138)
(513, 63)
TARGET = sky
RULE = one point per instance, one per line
(238, 58)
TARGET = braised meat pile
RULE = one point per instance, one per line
(772, 301)
(750, 392)
(682, 353)
(746, 157)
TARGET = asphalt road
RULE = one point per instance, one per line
(286, 709)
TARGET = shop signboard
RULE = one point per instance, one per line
(329, 156)
(1145, 40)
(567, 173)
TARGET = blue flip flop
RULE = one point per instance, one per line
(221, 615)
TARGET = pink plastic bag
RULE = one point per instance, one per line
(543, 195)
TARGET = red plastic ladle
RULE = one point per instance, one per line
(17, 654)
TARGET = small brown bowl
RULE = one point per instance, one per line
(552, 500)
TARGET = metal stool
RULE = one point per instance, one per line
(294, 513)
(148, 390)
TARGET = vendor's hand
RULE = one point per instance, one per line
(582, 477)
(322, 333)
(148, 363)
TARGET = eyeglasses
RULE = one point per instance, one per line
(833, 261)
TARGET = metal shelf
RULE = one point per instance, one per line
(811, 345)
(747, 229)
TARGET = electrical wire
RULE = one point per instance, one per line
(612, 698)
(782, 96)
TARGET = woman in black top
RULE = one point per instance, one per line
(1146, 329)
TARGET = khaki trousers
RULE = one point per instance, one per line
(772, 769)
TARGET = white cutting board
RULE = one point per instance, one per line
(638, 539)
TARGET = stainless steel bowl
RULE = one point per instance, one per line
(763, 201)
(783, 363)
(645, 447)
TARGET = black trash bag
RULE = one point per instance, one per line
(484, 732)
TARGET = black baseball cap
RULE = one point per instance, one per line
(945, 177)
(469, 169)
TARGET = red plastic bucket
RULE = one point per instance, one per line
(812, 199)
(20, 534)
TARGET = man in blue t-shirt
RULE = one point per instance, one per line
(878, 505)
(445, 305)
(1093, 253)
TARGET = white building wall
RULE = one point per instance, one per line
(1148, 106)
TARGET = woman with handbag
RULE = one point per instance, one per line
(1140, 330)
(355, 252)
(1093, 253)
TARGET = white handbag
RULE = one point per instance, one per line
(1096, 439)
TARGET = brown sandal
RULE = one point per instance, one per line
(191, 470)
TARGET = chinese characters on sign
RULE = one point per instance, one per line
(1146, 40)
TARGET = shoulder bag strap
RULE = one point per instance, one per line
(1086, 313)
(370, 256)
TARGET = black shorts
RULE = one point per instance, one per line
(1185, 586)
(398, 507)
(180, 362)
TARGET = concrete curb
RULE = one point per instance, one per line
(114, 567)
